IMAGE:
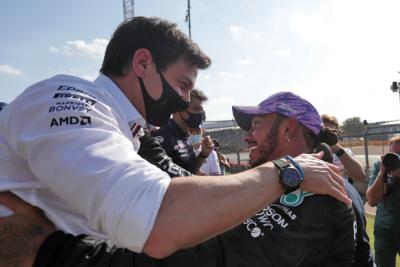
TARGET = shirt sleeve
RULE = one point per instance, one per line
(85, 159)
(349, 151)
(151, 151)
(374, 172)
(163, 137)
(214, 164)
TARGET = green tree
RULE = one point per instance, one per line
(352, 126)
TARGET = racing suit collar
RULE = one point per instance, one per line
(178, 131)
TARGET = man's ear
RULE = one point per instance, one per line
(290, 127)
(141, 62)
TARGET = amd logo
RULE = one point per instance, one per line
(72, 120)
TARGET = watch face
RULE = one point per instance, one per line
(291, 176)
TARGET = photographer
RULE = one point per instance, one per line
(350, 168)
(384, 192)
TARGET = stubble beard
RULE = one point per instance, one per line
(266, 148)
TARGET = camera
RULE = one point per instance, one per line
(391, 161)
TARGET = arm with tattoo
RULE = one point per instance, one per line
(22, 233)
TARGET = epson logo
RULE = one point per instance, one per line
(73, 96)
(70, 88)
(72, 120)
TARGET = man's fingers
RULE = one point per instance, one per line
(339, 195)
(334, 168)
(338, 178)
(14, 203)
(318, 155)
(10, 200)
(337, 182)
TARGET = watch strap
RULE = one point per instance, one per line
(280, 163)
(296, 165)
(340, 152)
(201, 155)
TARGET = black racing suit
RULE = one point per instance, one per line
(364, 256)
(177, 145)
(151, 150)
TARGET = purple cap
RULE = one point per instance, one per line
(284, 103)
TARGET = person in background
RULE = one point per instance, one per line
(384, 192)
(222, 159)
(343, 157)
(175, 139)
(196, 137)
(211, 164)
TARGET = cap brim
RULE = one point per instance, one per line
(244, 114)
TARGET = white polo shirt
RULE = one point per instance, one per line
(211, 165)
(66, 147)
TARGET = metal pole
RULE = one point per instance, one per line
(237, 147)
(129, 9)
(366, 148)
(188, 19)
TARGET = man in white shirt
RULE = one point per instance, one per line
(211, 165)
(69, 147)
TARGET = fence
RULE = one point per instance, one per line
(367, 147)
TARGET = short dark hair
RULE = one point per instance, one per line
(330, 119)
(216, 143)
(166, 43)
(196, 93)
(394, 139)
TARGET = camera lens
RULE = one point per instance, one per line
(391, 161)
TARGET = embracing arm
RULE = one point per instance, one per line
(195, 209)
(22, 233)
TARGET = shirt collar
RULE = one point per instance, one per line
(131, 113)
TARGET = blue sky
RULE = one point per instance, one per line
(342, 55)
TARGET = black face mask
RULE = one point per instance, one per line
(194, 120)
(159, 111)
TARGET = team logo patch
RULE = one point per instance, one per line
(160, 139)
(295, 198)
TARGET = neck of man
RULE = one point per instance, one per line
(296, 146)
(180, 122)
(130, 86)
